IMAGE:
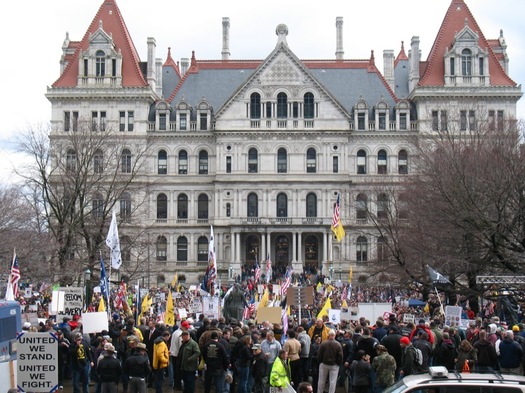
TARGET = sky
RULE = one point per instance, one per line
(32, 33)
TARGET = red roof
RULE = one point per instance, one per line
(113, 24)
(453, 23)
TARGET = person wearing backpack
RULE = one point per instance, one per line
(408, 358)
(421, 343)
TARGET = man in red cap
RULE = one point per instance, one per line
(176, 342)
(408, 360)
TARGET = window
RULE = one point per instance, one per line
(361, 162)
(381, 162)
(228, 210)
(183, 122)
(182, 206)
(435, 120)
(311, 205)
(98, 161)
(382, 121)
(122, 121)
(361, 207)
(183, 162)
(94, 121)
(311, 160)
(308, 106)
(182, 249)
(162, 121)
(443, 121)
(125, 206)
(472, 120)
(402, 162)
(268, 110)
(86, 67)
(382, 206)
(113, 67)
(67, 121)
(282, 160)
(228, 164)
(97, 206)
(402, 207)
(203, 162)
(466, 62)
(481, 66)
(252, 160)
(202, 249)
(361, 121)
(98, 121)
(382, 249)
(335, 164)
(466, 120)
(282, 205)
(495, 120)
(162, 207)
(162, 162)
(203, 121)
(125, 248)
(162, 249)
(282, 105)
(295, 109)
(125, 161)
(100, 62)
(362, 249)
(71, 160)
(252, 205)
(403, 121)
(129, 124)
(439, 121)
(255, 106)
(452, 66)
(202, 206)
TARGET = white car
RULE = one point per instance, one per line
(439, 380)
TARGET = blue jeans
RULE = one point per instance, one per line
(159, 379)
(244, 377)
(80, 375)
(188, 377)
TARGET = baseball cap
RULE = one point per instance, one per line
(185, 324)
(404, 340)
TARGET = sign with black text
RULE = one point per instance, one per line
(37, 365)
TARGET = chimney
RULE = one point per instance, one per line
(339, 52)
(225, 38)
(184, 65)
(151, 74)
(158, 68)
(388, 67)
(413, 73)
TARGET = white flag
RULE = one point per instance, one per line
(113, 242)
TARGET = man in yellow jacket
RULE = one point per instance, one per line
(319, 329)
(161, 360)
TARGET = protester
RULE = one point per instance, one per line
(109, 370)
(189, 353)
(280, 374)
(259, 369)
(137, 368)
(384, 366)
(360, 369)
(329, 357)
(217, 362)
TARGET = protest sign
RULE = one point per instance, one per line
(73, 302)
(37, 365)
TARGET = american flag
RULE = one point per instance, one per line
(257, 271)
(268, 268)
(121, 296)
(344, 294)
(15, 275)
(286, 283)
(249, 309)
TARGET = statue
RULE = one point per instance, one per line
(234, 304)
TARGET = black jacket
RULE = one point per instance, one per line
(137, 365)
(215, 356)
(260, 367)
(109, 369)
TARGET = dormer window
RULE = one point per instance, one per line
(361, 116)
(466, 62)
(309, 106)
(183, 116)
(100, 61)
(282, 106)
(255, 106)
(203, 115)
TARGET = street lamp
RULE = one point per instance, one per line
(340, 272)
(87, 282)
(331, 271)
(230, 272)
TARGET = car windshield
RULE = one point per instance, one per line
(399, 386)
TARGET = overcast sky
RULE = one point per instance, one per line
(32, 33)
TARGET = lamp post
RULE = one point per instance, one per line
(331, 271)
(230, 273)
(340, 272)
(87, 283)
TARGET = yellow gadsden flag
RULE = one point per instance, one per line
(170, 311)
(326, 307)
(146, 303)
(101, 305)
(264, 299)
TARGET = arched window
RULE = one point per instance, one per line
(466, 62)
(202, 249)
(402, 207)
(311, 252)
(182, 206)
(162, 207)
(183, 162)
(98, 161)
(252, 205)
(71, 160)
(309, 106)
(381, 162)
(382, 206)
(255, 106)
(203, 162)
(162, 165)
(311, 160)
(311, 205)
(125, 206)
(202, 206)
(361, 207)
(282, 160)
(98, 205)
(182, 249)
(100, 61)
(125, 249)
(162, 249)
(282, 106)
(382, 249)
(402, 162)
(282, 205)
(125, 161)
(252, 160)
(361, 249)
(361, 162)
